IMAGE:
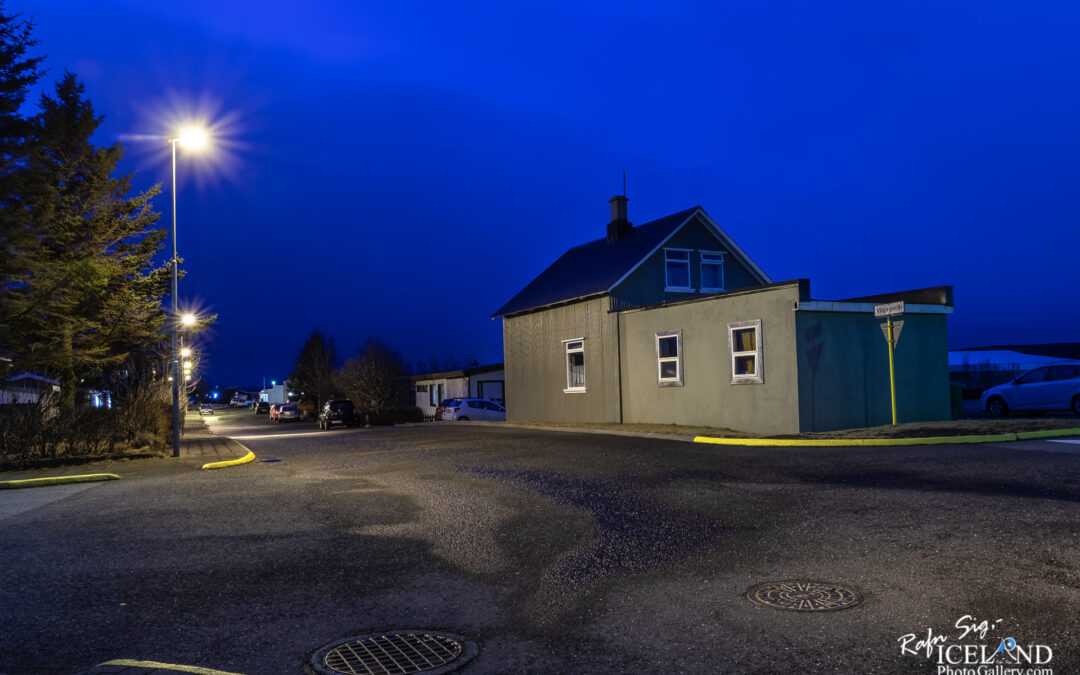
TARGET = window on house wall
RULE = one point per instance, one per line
(669, 358)
(712, 271)
(677, 269)
(744, 338)
(435, 394)
(575, 364)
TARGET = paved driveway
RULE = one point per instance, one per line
(555, 552)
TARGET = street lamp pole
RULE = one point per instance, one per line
(174, 318)
(194, 139)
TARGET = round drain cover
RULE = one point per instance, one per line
(399, 653)
(803, 596)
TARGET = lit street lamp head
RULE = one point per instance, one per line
(192, 138)
(188, 319)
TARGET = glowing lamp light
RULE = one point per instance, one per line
(192, 138)
(185, 352)
(188, 319)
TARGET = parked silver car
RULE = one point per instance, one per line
(464, 409)
(288, 411)
(1055, 387)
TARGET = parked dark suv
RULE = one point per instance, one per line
(340, 411)
(261, 408)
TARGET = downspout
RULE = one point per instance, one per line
(618, 360)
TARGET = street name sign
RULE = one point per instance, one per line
(889, 309)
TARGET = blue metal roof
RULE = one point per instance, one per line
(593, 268)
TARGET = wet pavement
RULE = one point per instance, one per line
(554, 551)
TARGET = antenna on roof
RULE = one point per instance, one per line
(624, 182)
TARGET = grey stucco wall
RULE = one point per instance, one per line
(850, 385)
(645, 285)
(708, 397)
(535, 362)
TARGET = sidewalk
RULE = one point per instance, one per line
(199, 443)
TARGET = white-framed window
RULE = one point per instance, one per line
(677, 269)
(575, 365)
(744, 338)
(669, 370)
(712, 271)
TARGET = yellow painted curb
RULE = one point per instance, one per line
(56, 480)
(164, 666)
(249, 457)
(864, 442)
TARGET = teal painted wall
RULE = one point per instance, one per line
(646, 284)
(843, 363)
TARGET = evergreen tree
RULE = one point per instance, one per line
(17, 74)
(81, 292)
(313, 373)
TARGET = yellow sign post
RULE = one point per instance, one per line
(892, 335)
(892, 371)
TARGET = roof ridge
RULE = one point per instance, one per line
(635, 227)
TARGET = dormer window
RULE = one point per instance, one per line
(677, 269)
(712, 271)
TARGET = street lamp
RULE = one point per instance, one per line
(191, 139)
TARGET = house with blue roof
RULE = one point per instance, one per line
(672, 322)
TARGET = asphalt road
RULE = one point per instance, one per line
(553, 551)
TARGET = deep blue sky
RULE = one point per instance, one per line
(400, 170)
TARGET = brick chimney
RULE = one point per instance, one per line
(619, 225)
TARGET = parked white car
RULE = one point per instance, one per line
(464, 409)
(1055, 387)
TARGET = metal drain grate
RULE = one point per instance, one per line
(395, 654)
(803, 596)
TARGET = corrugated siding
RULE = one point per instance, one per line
(844, 370)
(708, 397)
(535, 363)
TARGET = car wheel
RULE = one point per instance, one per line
(463, 419)
(996, 407)
(1076, 405)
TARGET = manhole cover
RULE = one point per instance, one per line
(397, 653)
(803, 596)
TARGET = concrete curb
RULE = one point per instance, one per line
(573, 430)
(866, 442)
(796, 442)
(249, 457)
(133, 666)
(56, 480)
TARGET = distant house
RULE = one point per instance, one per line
(672, 322)
(473, 381)
(27, 388)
